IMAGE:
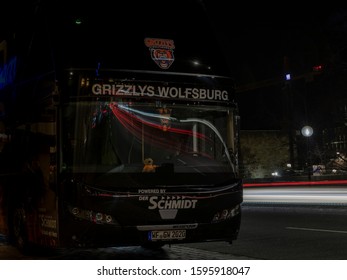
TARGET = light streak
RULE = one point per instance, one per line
(296, 183)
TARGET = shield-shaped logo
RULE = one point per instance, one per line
(161, 51)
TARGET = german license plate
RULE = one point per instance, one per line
(167, 234)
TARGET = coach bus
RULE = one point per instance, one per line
(110, 134)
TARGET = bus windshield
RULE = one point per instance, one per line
(137, 137)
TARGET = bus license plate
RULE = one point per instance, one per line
(167, 234)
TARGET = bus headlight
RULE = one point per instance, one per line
(226, 214)
(92, 216)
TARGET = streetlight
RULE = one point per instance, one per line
(307, 132)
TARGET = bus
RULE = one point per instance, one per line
(118, 126)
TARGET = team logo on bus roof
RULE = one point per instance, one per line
(161, 51)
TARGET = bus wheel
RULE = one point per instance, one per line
(19, 234)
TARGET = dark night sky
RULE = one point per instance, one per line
(255, 38)
(256, 41)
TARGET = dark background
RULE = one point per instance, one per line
(259, 43)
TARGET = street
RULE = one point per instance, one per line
(268, 232)
(289, 232)
(174, 252)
